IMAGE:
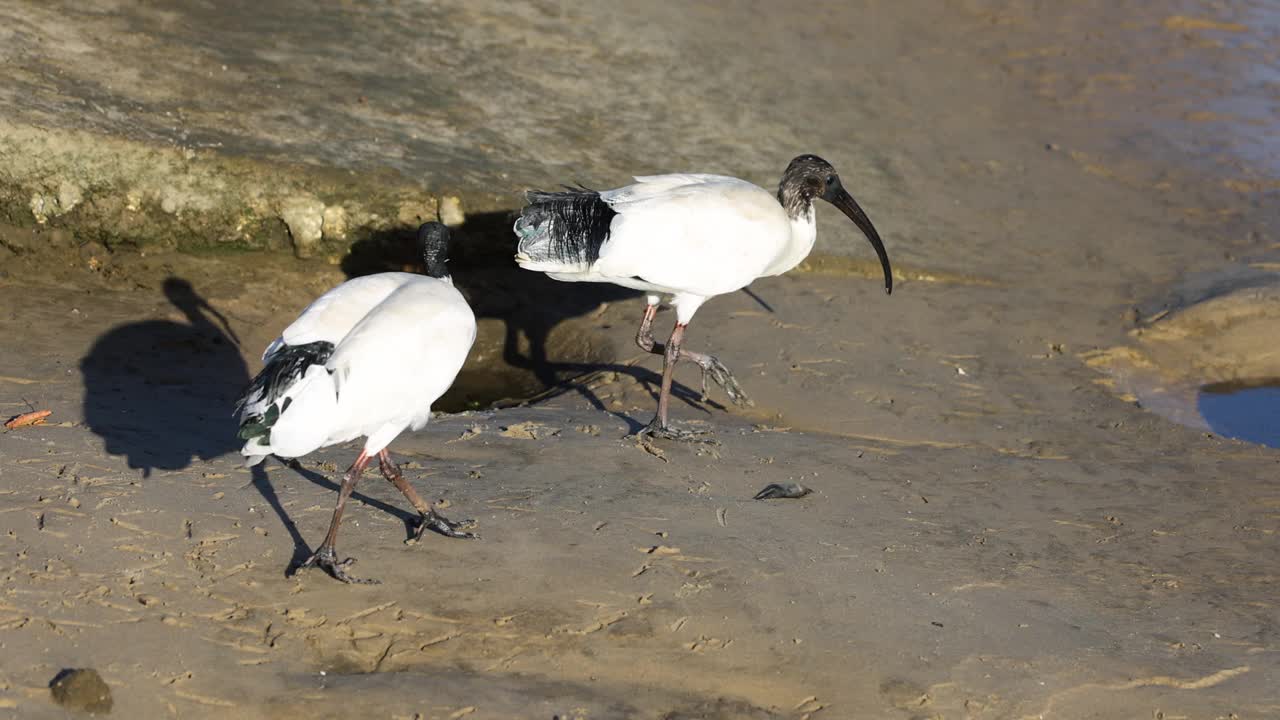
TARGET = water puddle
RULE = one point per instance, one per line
(477, 389)
(1245, 411)
(1208, 359)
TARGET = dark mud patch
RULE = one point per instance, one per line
(535, 333)
(451, 692)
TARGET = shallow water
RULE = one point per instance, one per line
(1250, 104)
(1245, 411)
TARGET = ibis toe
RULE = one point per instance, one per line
(656, 429)
(326, 559)
(716, 370)
(434, 521)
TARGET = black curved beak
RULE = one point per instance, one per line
(843, 200)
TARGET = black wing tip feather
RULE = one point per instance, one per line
(282, 370)
(539, 199)
(260, 425)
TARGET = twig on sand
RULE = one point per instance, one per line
(28, 418)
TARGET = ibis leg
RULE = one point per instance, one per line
(430, 519)
(326, 556)
(659, 427)
(644, 336)
(669, 360)
(710, 364)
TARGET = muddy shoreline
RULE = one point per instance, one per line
(1001, 526)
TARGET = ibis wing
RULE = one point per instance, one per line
(403, 355)
(649, 187)
(707, 238)
(332, 315)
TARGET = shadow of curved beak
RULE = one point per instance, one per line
(843, 200)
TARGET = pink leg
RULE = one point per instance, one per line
(431, 520)
(326, 556)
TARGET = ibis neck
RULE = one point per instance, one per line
(794, 202)
(804, 232)
(435, 257)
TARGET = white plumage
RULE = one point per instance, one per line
(366, 359)
(687, 236)
(723, 232)
(399, 341)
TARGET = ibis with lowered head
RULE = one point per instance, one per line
(366, 359)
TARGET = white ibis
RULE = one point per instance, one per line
(366, 359)
(688, 236)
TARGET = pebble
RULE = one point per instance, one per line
(81, 689)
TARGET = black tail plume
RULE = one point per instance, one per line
(563, 228)
(282, 370)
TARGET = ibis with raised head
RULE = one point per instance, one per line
(366, 359)
(688, 237)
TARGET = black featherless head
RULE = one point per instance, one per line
(433, 243)
(809, 177)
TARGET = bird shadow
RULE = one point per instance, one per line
(301, 549)
(652, 382)
(159, 392)
(530, 306)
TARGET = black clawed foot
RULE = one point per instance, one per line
(725, 379)
(773, 491)
(666, 432)
(436, 522)
(327, 560)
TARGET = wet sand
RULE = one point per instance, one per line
(1000, 527)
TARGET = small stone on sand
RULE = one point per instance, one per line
(81, 689)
